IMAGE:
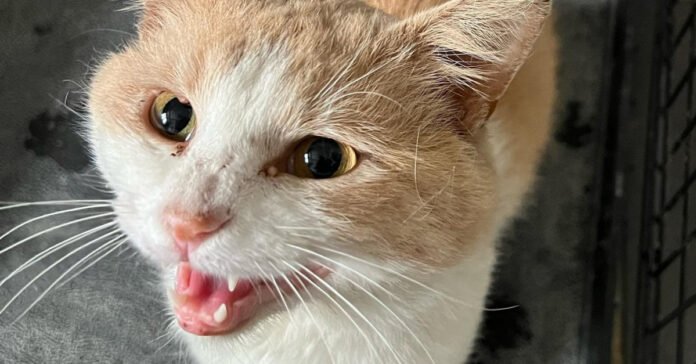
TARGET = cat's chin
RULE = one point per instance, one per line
(205, 305)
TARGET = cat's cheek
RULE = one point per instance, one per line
(148, 237)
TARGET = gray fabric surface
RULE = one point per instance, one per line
(113, 314)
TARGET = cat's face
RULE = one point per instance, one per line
(267, 83)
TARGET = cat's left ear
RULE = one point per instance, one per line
(477, 46)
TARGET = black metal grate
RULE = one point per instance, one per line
(666, 314)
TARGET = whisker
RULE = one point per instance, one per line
(57, 227)
(357, 311)
(172, 337)
(9, 205)
(380, 302)
(280, 293)
(170, 323)
(256, 289)
(43, 272)
(42, 255)
(93, 263)
(62, 212)
(330, 101)
(337, 263)
(392, 295)
(88, 256)
(322, 335)
(370, 93)
(298, 228)
(415, 165)
(431, 198)
(409, 279)
(107, 30)
(65, 105)
(338, 77)
(373, 351)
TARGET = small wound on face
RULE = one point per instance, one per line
(179, 150)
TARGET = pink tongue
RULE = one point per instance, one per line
(205, 306)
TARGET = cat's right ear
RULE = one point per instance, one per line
(475, 47)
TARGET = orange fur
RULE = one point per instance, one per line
(430, 181)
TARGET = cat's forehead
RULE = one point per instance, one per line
(317, 30)
(255, 56)
(185, 47)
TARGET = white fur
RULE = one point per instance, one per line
(236, 107)
(445, 327)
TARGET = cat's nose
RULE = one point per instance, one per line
(191, 230)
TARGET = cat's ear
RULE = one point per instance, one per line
(477, 46)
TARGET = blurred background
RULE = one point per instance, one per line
(584, 265)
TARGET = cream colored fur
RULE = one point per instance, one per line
(449, 147)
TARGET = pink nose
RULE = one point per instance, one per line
(191, 230)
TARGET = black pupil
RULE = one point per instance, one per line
(175, 117)
(323, 158)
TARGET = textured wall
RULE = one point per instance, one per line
(112, 313)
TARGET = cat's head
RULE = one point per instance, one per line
(248, 138)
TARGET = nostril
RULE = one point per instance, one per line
(191, 230)
(194, 229)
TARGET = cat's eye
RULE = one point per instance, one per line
(322, 158)
(173, 117)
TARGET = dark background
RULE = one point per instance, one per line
(112, 313)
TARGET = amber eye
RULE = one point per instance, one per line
(173, 117)
(322, 158)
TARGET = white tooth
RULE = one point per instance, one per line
(232, 283)
(221, 314)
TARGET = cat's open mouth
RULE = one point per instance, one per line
(208, 306)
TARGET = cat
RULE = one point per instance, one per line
(324, 181)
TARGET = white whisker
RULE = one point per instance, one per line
(371, 281)
(373, 351)
(339, 76)
(93, 263)
(433, 197)
(54, 228)
(322, 334)
(56, 263)
(280, 293)
(357, 311)
(167, 332)
(107, 30)
(380, 302)
(409, 279)
(370, 93)
(8, 205)
(80, 262)
(62, 212)
(65, 105)
(45, 253)
(331, 99)
(415, 166)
